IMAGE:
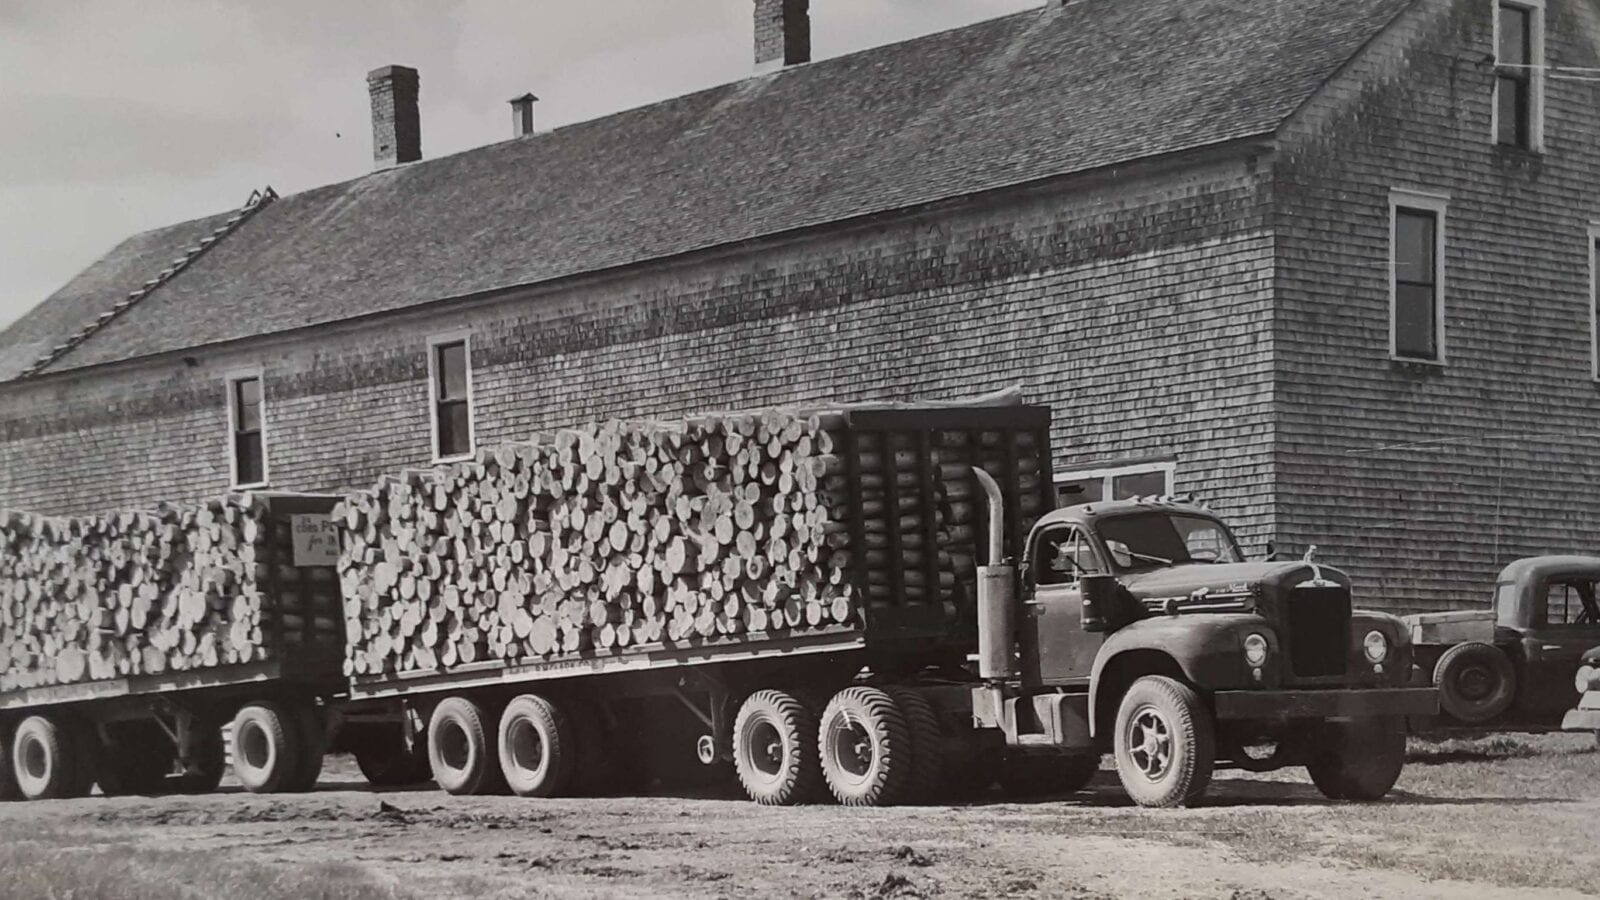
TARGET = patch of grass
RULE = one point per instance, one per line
(53, 865)
(1437, 750)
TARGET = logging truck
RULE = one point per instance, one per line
(875, 604)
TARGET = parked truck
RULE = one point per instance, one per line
(909, 616)
(1511, 666)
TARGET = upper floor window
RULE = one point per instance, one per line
(450, 375)
(1115, 483)
(247, 432)
(1594, 301)
(1519, 73)
(1416, 326)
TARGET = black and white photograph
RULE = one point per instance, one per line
(860, 449)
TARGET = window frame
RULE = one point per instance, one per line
(1438, 204)
(1535, 74)
(1594, 300)
(1110, 472)
(435, 344)
(231, 382)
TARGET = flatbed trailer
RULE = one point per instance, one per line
(687, 695)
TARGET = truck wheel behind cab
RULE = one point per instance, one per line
(865, 748)
(1165, 744)
(42, 759)
(460, 750)
(1476, 682)
(1358, 760)
(266, 748)
(775, 749)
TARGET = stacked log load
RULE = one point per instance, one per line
(630, 534)
(133, 593)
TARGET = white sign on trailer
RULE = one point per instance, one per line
(316, 540)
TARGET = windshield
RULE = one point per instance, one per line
(1163, 539)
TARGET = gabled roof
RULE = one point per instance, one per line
(1042, 93)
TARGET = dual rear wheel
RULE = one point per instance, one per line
(278, 747)
(538, 748)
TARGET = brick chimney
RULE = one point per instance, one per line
(783, 33)
(522, 115)
(396, 125)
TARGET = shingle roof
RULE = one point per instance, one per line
(1037, 94)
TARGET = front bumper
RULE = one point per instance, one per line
(1412, 701)
(1586, 717)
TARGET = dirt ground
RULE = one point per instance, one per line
(1503, 817)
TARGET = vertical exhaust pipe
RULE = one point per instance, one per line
(997, 594)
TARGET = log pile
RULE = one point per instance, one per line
(597, 539)
(634, 534)
(173, 589)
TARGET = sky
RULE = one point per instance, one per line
(117, 116)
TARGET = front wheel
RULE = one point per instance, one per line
(1165, 744)
(1358, 760)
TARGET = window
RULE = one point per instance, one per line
(1416, 248)
(1594, 300)
(1064, 554)
(1571, 602)
(1519, 73)
(450, 371)
(245, 424)
(1118, 483)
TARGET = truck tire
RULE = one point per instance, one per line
(386, 761)
(8, 777)
(266, 748)
(1358, 760)
(775, 749)
(460, 749)
(865, 747)
(1165, 744)
(1476, 682)
(311, 734)
(208, 764)
(538, 746)
(42, 759)
(1034, 775)
(926, 784)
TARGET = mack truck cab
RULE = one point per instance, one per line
(1138, 628)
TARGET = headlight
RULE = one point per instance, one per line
(1582, 679)
(1376, 646)
(1255, 649)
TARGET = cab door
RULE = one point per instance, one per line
(1565, 622)
(1055, 648)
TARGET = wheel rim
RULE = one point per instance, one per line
(852, 748)
(763, 749)
(253, 746)
(1149, 741)
(35, 761)
(1475, 683)
(455, 751)
(527, 747)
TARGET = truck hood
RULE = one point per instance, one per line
(1246, 578)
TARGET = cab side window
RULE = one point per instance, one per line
(1062, 555)
(1571, 603)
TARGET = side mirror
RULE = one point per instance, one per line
(1120, 554)
(1099, 601)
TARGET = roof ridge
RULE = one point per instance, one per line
(259, 199)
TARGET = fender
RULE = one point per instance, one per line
(1208, 649)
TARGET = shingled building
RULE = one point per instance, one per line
(1327, 264)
